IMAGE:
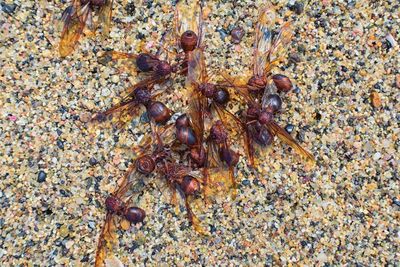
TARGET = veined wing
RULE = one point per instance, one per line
(275, 129)
(74, 18)
(197, 102)
(263, 40)
(107, 240)
(269, 49)
(105, 16)
(279, 45)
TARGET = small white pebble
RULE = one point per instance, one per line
(105, 91)
(115, 79)
(377, 156)
(69, 244)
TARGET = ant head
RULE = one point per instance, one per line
(188, 41)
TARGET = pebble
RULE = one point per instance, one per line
(105, 92)
(377, 156)
(8, 8)
(41, 177)
(60, 144)
(246, 182)
(115, 79)
(289, 128)
(222, 33)
(144, 118)
(113, 262)
(93, 161)
(297, 7)
(375, 100)
(69, 244)
(237, 34)
(85, 117)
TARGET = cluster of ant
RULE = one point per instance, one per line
(212, 155)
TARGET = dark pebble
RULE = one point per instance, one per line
(300, 136)
(134, 246)
(140, 36)
(318, 116)
(297, 7)
(289, 128)
(396, 201)
(85, 258)
(93, 161)
(237, 34)
(41, 177)
(144, 118)
(213, 229)
(130, 8)
(303, 243)
(301, 49)
(245, 182)
(104, 60)
(8, 8)
(296, 90)
(64, 193)
(222, 34)
(60, 144)
(59, 132)
(294, 58)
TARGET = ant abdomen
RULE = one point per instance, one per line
(163, 68)
(186, 136)
(274, 103)
(145, 165)
(263, 137)
(282, 83)
(135, 214)
(182, 121)
(159, 112)
(142, 95)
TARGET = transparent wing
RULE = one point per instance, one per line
(122, 112)
(107, 240)
(269, 49)
(262, 44)
(197, 103)
(240, 89)
(270, 88)
(197, 70)
(279, 46)
(74, 18)
(105, 16)
(275, 129)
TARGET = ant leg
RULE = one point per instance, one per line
(251, 122)
(233, 182)
(205, 184)
(115, 55)
(194, 221)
